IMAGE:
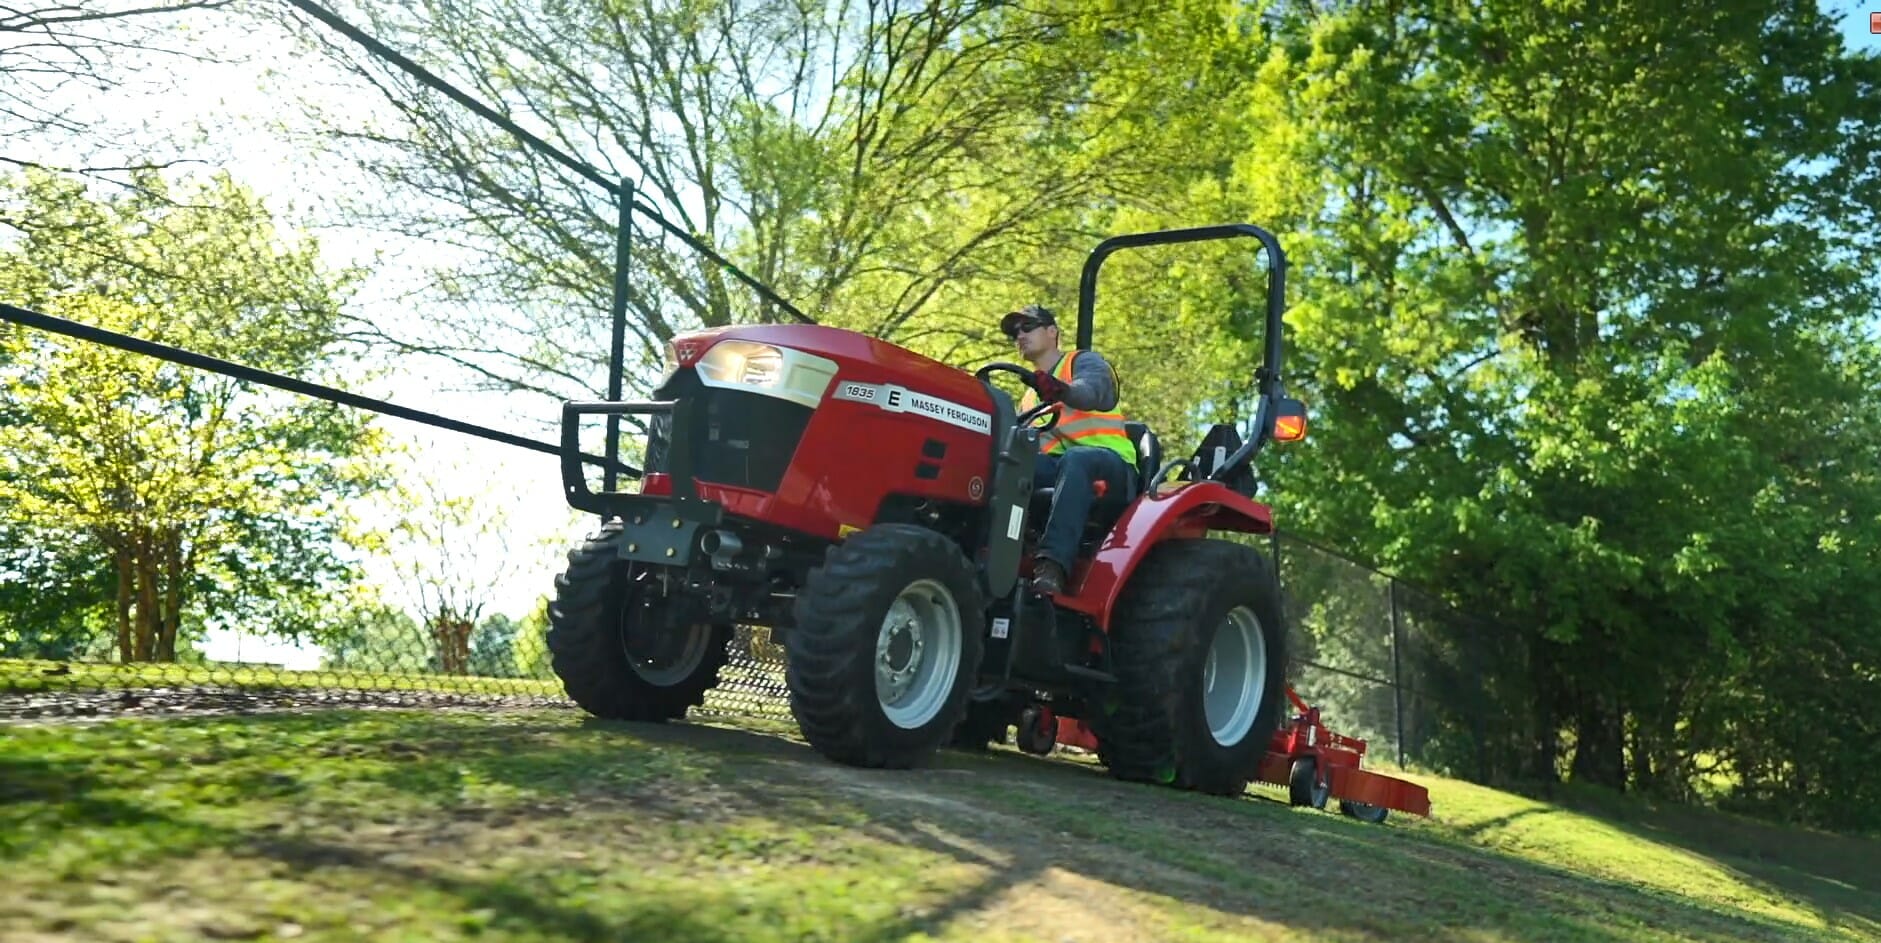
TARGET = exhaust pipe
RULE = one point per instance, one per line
(721, 544)
(723, 547)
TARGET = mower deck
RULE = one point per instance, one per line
(1315, 763)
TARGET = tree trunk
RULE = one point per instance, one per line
(1547, 743)
(146, 621)
(1600, 748)
(452, 636)
(172, 595)
(1658, 767)
(121, 556)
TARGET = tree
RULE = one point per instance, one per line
(452, 546)
(1572, 271)
(49, 46)
(873, 161)
(200, 493)
(532, 643)
(493, 647)
(52, 595)
(365, 634)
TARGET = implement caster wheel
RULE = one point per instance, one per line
(1303, 785)
(1364, 811)
(1038, 731)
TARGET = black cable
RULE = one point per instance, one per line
(424, 75)
(86, 332)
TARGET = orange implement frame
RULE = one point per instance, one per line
(1317, 764)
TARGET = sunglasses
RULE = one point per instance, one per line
(1022, 327)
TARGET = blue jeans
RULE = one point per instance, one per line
(1072, 472)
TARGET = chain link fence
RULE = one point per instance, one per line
(1425, 685)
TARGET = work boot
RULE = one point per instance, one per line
(1048, 577)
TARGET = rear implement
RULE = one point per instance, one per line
(1313, 762)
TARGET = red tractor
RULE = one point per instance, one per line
(875, 509)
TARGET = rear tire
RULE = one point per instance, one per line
(886, 647)
(604, 665)
(1201, 664)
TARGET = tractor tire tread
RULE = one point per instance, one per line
(1144, 734)
(585, 647)
(828, 668)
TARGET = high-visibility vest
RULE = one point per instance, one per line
(1076, 427)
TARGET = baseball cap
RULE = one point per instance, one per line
(1027, 318)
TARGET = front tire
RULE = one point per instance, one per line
(616, 659)
(886, 647)
(1201, 663)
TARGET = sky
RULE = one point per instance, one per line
(228, 113)
(1856, 19)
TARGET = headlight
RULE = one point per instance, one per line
(743, 362)
(794, 375)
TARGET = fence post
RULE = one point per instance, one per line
(1273, 540)
(617, 352)
(1397, 665)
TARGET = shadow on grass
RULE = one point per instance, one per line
(1338, 875)
(1837, 876)
(1016, 819)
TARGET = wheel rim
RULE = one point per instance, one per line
(917, 654)
(1234, 677)
(668, 661)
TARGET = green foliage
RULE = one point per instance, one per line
(196, 492)
(372, 636)
(1584, 332)
(532, 643)
(54, 597)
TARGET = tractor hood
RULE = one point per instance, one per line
(799, 362)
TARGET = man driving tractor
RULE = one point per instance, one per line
(1087, 445)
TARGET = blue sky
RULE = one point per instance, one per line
(1854, 19)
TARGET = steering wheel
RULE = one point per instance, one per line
(1025, 375)
(1031, 382)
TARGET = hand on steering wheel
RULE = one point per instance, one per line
(1030, 378)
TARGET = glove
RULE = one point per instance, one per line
(1050, 388)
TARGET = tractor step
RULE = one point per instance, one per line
(1090, 674)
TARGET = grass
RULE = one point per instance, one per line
(537, 825)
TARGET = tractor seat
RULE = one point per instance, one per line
(1149, 453)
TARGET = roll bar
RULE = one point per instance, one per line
(1267, 376)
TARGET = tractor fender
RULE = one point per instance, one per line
(1185, 511)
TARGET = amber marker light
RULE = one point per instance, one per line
(1290, 421)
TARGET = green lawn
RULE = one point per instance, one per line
(543, 825)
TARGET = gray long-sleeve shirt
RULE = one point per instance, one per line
(1093, 386)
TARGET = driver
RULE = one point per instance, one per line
(1087, 445)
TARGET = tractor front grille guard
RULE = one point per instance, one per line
(681, 459)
